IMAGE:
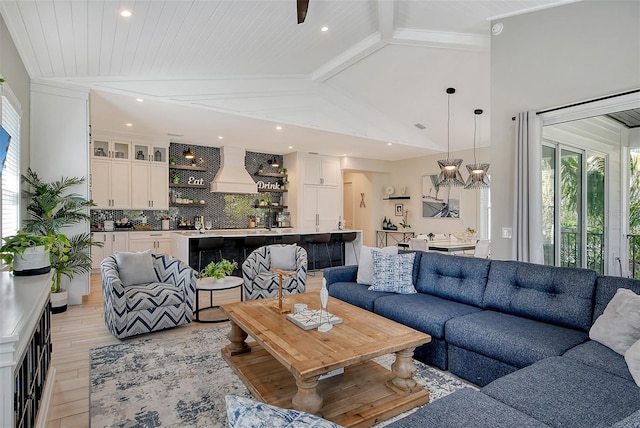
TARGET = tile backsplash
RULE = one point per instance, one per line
(224, 210)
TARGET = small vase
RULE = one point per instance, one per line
(165, 224)
(219, 280)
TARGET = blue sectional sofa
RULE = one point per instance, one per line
(519, 330)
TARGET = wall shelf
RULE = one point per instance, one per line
(188, 186)
(396, 198)
(271, 174)
(188, 167)
(275, 207)
(175, 204)
(273, 190)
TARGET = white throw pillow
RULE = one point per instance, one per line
(619, 325)
(365, 264)
(393, 273)
(283, 257)
(136, 267)
(632, 357)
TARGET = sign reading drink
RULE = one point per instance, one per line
(271, 186)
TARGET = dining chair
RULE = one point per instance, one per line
(483, 247)
(419, 244)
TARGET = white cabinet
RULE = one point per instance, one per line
(321, 207)
(111, 149)
(112, 242)
(110, 183)
(321, 170)
(157, 242)
(149, 185)
(150, 153)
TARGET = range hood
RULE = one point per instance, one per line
(232, 177)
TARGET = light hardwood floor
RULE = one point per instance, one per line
(81, 328)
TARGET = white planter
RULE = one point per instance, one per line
(34, 261)
(59, 301)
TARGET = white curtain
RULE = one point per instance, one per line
(527, 213)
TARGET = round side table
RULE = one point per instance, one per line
(210, 285)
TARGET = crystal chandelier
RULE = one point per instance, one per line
(449, 168)
(478, 177)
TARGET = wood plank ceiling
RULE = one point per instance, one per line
(238, 68)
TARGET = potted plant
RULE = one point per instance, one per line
(175, 178)
(218, 270)
(26, 253)
(173, 160)
(52, 207)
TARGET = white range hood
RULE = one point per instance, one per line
(232, 177)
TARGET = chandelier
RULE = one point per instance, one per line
(478, 176)
(449, 168)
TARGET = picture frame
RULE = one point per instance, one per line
(399, 210)
(439, 201)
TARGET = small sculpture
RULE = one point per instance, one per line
(324, 300)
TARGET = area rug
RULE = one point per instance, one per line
(179, 379)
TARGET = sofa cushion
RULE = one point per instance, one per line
(421, 311)
(462, 279)
(283, 257)
(561, 296)
(244, 412)
(619, 325)
(562, 392)
(140, 297)
(467, 408)
(135, 267)
(393, 273)
(365, 262)
(514, 340)
(631, 421)
(356, 294)
(606, 288)
(597, 355)
(632, 358)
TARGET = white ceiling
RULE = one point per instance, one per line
(238, 68)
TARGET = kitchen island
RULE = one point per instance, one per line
(184, 245)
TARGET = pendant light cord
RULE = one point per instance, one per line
(448, 125)
(475, 128)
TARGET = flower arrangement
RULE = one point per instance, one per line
(218, 270)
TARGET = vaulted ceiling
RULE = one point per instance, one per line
(238, 68)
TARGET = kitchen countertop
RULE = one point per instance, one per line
(264, 232)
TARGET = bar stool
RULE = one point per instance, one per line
(209, 245)
(314, 241)
(253, 242)
(344, 239)
(289, 239)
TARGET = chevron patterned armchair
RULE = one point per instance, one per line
(260, 282)
(163, 299)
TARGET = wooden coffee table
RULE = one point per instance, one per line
(283, 366)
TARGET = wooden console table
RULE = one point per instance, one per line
(397, 237)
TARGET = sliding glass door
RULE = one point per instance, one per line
(574, 204)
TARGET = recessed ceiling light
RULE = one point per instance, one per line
(389, 144)
(291, 147)
(140, 100)
(279, 128)
(324, 28)
(125, 13)
(220, 137)
(129, 124)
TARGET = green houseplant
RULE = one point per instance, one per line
(52, 207)
(218, 270)
(27, 253)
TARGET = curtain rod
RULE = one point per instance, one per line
(586, 102)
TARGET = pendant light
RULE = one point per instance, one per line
(450, 168)
(478, 177)
(188, 154)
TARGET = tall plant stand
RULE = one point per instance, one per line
(280, 305)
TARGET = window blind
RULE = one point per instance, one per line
(11, 171)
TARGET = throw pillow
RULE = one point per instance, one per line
(244, 412)
(632, 357)
(136, 268)
(619, 325)
(283, 256)
(365, 264)
(392, 273)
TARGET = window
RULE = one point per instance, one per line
(484, 226)
(11, 113)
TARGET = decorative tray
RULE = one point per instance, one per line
(310, 319)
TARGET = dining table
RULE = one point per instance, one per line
(451, 246)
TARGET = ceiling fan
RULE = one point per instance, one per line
(303, 5)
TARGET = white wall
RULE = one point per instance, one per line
(363, 217)
(60, 147)
(550, 58)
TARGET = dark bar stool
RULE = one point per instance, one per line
(289, 239)
(314, 241)
(252, 242)
(344, 239)
(209, 245)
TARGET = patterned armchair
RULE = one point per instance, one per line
(260, 282)
(142, 308)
